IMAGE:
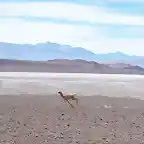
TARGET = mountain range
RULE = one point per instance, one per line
(48, 51)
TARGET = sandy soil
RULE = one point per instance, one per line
(43, 118)
(48, 120)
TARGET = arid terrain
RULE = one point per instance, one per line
(68, 66)
(31, 112)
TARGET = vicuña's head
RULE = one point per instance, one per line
(59, 92)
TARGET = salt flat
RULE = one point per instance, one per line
(82, 84)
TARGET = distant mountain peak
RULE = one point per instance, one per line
(117, 53)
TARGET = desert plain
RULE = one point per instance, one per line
(110, 109)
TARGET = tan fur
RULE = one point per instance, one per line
(69, 96)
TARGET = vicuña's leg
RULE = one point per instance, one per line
(76, 99)
(67, 99)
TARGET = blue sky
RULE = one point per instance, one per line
(98, 25)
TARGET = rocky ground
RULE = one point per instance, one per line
(36, 119)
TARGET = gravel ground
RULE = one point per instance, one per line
(39, 119)
(30, 115)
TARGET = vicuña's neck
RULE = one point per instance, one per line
(61, 93)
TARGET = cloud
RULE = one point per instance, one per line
(68, 11)
(93, 37)
(20, 31)
(50, 10)
(120, 31)
(126, 1)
